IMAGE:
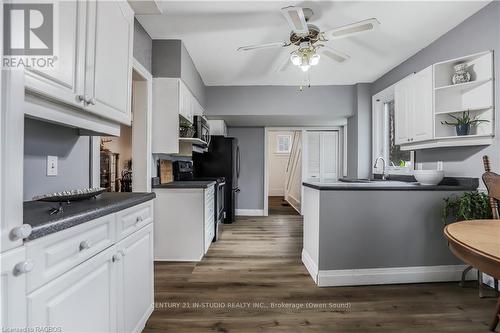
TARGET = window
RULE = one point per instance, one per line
(283, 144)
(384, 137)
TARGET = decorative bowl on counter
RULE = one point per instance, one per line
(428, 177)
(73, 195)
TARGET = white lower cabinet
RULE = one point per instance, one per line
(135, 280)
(13, 287)
(88, 278)
(82, 300)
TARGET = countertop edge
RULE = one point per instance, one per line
(52, 227)
(390, 188)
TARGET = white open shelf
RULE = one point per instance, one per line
(475, 96)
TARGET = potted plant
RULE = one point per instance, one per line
(468, 206)
(464, 123)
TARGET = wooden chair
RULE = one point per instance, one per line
(492, 182)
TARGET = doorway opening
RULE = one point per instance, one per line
(284, 169)
(125, 161)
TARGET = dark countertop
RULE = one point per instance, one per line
(447, 184)
(36, 213)
(187, 184)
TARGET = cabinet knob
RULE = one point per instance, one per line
(138, 220)
(117, 256)
(24, 267)
(84, 245)
(81, 98)
(21, 232)
(92, 101)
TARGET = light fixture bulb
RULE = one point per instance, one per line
(314, 60)
(296, 59)
(305, 68)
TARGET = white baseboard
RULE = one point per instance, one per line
(276, 192)
(394, 275)
(311, 266)
(249, 212)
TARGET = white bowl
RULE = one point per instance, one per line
(428, 177)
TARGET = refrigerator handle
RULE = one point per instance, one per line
(238, 161)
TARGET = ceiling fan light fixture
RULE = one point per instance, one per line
(314, 60)
(295, 59)
(305, 68)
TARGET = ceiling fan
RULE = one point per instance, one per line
(310, 39)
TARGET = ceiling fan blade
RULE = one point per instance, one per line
(283, 63)
(338, 56)
(296, 20)
(262, 46)
(352, 29)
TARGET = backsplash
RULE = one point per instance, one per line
(43, 139)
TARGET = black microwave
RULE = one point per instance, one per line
(202, 129)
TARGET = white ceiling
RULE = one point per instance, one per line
(212, 31)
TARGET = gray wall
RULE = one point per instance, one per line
(480, 32)
(171, 59)
(251, 181)
(143, 46)
(359, 134)
(383, 229)
(42, 139)
(333, 101)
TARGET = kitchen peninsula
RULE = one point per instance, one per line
(378, 232)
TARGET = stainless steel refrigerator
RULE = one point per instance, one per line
(221, 160)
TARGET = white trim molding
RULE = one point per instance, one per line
(249, 212)
(393, 275)
(311, 266)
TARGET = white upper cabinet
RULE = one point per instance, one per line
(424, 101)
(413, 108)
(109, 53)
(64, 83)
(171, 99)
(421, 118)
(93, 71)
(402, 110)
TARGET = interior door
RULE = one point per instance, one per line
(135, 280)
(313, 156)
(81, 300)
(109, 59)
(329, 156)
(65, 81)
(421, 117)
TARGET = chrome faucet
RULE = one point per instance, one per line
(384, 176)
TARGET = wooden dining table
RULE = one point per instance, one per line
(477, 243)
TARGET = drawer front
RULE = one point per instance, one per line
(133, 218)
(56, 254)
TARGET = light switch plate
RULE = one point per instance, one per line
(51, 165)
(440, 165)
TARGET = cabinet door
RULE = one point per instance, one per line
(402, 110)
(313, 156)
(421, 122)
(82, 300)
(65, 81)
(108, 82)
(135, 280)
(13, 290)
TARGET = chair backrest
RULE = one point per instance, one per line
(492, 182)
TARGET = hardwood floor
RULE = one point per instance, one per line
(278, 206)
(257, 264)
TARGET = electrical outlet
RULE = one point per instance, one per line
(440, 165)
(51, 165)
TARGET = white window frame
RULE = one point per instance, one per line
(281, 136)
(380, 141)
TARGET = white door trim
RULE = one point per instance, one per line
(304, 154)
